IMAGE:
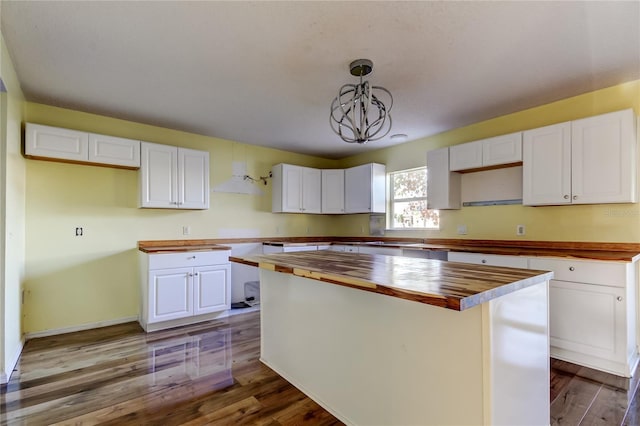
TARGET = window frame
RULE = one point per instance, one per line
(392, 200)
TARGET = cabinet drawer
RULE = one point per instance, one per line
(187, 259)
(602, 273)
(489, 259)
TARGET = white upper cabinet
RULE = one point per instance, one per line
(333, 191)
(546, 169)
(501, 150)
(465, 156)
(112, 150)
(603, 159)
(296, 189)
(174, 178)
(193, 179)
(46, 142)
(443, 186)
(588, 161)
(365, 189)
(54, 142)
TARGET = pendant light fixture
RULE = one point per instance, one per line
(358, 115)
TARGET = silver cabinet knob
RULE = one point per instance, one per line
(619, 298)
(575, 197)
(484, 261)
(190, 274)
(571, 268)
(196, 274)
(191, 257)
(566, 197)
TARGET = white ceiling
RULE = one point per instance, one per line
(265, 72)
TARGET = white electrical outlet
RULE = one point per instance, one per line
(462, 229)
(186, 230)
(520, 230)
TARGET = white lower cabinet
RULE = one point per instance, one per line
(182, 288)
(344, 248)
(592, 308)
(592, 313)
(489, 259)
(372, 249)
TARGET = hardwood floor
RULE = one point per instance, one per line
(209, 373)
(582, 396)
(203, 374)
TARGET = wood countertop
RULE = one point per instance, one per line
(450, 285)
(618, 252)
(176, 248)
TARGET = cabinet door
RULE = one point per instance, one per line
(211, 288)
(170, 294)
(291, 189)
(311, 190)
(546, 166)
(193, 179)
(465, 156)
(603, 158)
(111, 150)
(443, 186)
(588, 319)
(54, 142)
(505, 149)
(366, 189)
(158, 175)
(333, 191)
(357, 197)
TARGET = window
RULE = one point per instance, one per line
(408, 201)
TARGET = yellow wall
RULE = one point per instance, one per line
(12, 207)
(81, 280)
(612, 222)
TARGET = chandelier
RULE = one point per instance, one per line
(357, 114)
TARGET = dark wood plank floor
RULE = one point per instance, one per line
(210, 374)
(203, 374)
(582, 396)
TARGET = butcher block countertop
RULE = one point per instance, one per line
(175, 248)
(451, 285)
(588, 251)
(617, 252)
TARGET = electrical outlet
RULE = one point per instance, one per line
(520, 230)
(186, 230)
(462, 229)
(79, 232)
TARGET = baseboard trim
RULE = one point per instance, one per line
(5, 376)
(83, 327)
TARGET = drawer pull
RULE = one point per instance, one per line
(619, 298)
(571, 268)
(191, 257)
(566, 197)
(484, 261)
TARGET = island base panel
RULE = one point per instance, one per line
(374, 359)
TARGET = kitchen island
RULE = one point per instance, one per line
(383, 340)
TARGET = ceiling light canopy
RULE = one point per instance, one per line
(357, 113)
